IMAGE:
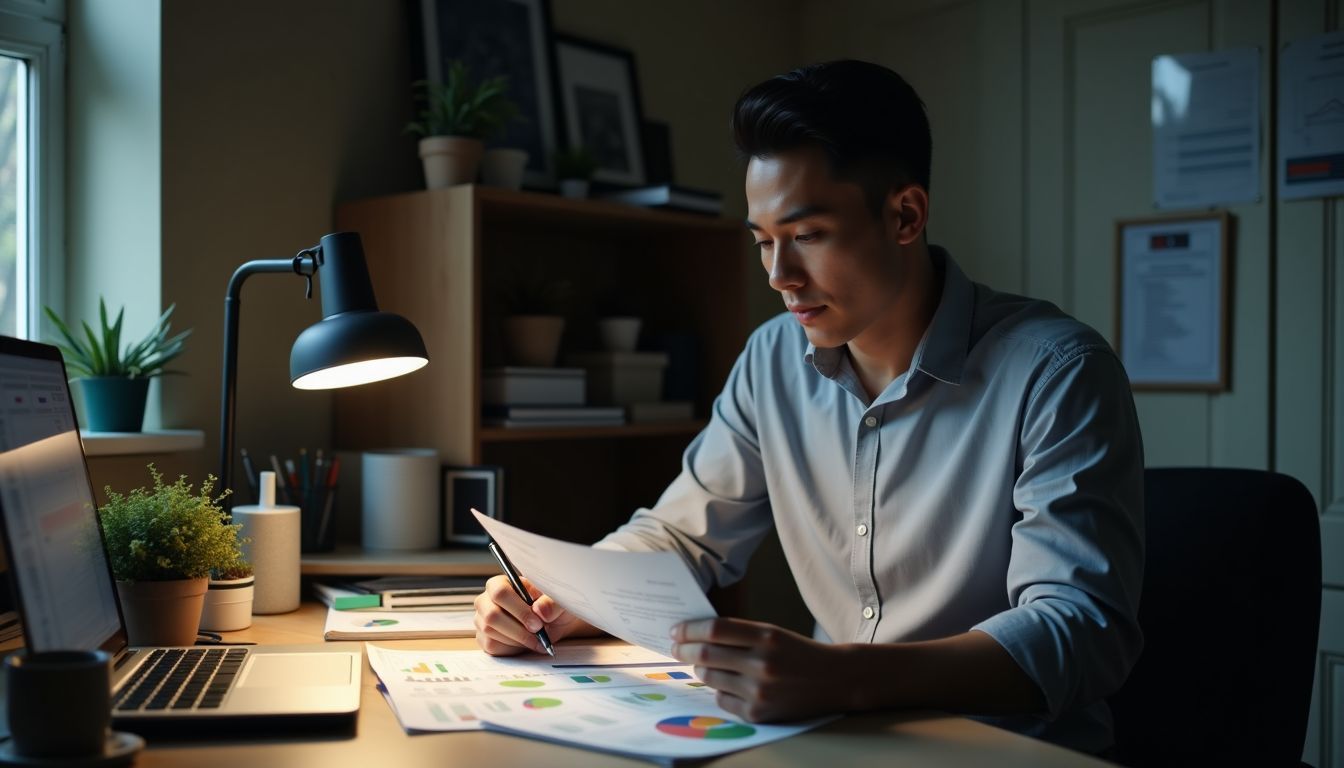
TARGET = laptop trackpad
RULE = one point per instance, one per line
(290, 670)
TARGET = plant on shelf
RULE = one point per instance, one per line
(114, 382)
(535, 304)
(228, 597)
(574, 168)
(163, 544)
(455, 117)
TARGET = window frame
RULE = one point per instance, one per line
(40, 42)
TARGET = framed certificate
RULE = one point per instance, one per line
(1172, 277)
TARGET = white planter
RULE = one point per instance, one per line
(450, 160)
(533, 340)
(504, 168)
(574, 188)
(619, 334)
(228, 604)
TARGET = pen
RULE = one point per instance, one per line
(517, 583)
(281, 485)
(251, 473)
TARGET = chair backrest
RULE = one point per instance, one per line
(1230, 611)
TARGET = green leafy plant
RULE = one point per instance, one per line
(575, 163)
(101, 354)
(459, 107)
(170, 532)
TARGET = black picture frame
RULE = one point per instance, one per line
(465, 487)
(510, 38)
(599, 97)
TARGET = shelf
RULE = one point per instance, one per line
(352, 560)
(657, 429)
(133, 443)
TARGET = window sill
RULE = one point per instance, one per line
(133, 443)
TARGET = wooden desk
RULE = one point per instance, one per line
(885, 739)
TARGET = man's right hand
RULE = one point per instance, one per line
(505, 625)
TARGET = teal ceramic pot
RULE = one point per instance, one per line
(113, 403)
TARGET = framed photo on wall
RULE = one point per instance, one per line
(464, 488)
(502, 37)
(599, 96)
(1172, 278)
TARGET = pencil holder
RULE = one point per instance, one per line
(319, 521)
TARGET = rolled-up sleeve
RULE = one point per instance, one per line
(717, 511)
(1076, 566)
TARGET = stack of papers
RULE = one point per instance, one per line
(618, 699)
(397, 625)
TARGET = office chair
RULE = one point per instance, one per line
(1230, 609)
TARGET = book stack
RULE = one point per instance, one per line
(520, 397)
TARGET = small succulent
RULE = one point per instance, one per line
(101, 354)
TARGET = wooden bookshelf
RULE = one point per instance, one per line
(440, 257)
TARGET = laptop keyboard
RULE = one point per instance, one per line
(181, 678)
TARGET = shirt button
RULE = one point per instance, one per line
(862, 530)
(871, 421)
(868, 612)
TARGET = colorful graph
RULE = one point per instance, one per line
(423, 669)
(521, 683)
(668, 676)
(704, 727)
(540, 703)
(651, 696)
(590, 678)
(380, 623)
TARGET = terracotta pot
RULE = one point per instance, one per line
(228, 604)
(162, 612)
(533, 340)
(450, 160)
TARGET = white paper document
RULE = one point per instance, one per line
(609, 698)
(1311, 117)
(636, 596)
(398, 625)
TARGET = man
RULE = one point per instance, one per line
(955, 473)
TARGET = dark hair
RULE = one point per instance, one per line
(867, 119)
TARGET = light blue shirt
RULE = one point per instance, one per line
(997, 485)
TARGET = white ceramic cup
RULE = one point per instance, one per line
(401, 499)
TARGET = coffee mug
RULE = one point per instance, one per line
(60, 703)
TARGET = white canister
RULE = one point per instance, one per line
(273, 550)
(401, 499)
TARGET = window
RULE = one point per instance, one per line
(31, 165)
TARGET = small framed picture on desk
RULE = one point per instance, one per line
(464, 488)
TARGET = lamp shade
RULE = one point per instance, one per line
(354, 343)
(355, 348)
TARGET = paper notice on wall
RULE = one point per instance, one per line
(1206, 128)
(1311, 117)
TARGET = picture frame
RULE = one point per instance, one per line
(466, 487)
(599, 97)
(1172, 278)
(502, 37)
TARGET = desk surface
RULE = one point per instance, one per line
(884, 739)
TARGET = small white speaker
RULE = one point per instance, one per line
(273, 550)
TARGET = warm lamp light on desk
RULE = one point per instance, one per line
(353, 344)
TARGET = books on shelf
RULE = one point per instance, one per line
(402, 592)
(519, 385)
(670, 196)
(524, 416)
(666, 410)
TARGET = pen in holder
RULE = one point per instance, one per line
(309, 483)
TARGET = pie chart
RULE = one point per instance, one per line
(540, 703)
(704, 727)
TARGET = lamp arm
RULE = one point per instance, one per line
(305, 263)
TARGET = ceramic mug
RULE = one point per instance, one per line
(60, 703)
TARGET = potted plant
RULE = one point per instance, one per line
(228, 597)
(114, 382)
(455, 118)
(162, 545)
(536, 305)
(574, 168)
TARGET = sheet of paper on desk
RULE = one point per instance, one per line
(397, 625)
(636, 596)
(609, 698)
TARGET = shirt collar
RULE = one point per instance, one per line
(942, 351)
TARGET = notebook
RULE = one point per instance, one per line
(66, 598)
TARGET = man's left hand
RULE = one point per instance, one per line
(763, 672)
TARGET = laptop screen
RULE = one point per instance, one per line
(56, 554)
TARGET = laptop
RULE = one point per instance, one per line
(66, 597)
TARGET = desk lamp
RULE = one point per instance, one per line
(353, 344)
